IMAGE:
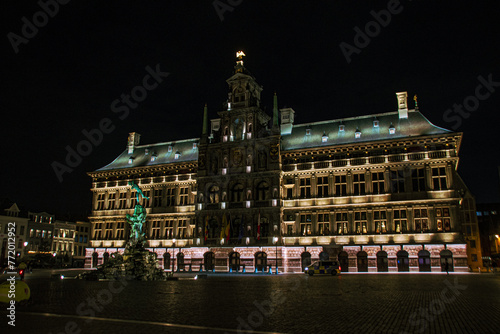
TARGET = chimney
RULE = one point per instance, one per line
(133, 141)
(287, 118)
(402, 104)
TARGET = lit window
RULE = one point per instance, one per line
(324, 139)
(169, 149)
(131, 160)
(177, 155)
(195, 145)
(153, 157)
(392, 129)
(308, 132)
(375, 123)
(357, 134)
(341, 127)
(146, 151)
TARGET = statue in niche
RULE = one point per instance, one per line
(262, 159)
(214, 165)
(226, 163)
(239, 130)
(249, 160)
(249, 195)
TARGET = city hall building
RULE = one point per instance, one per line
(377, 192)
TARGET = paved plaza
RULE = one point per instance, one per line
(232, 303)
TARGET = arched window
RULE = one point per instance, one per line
(237, 193)
(234, 261)
(261, 261)
(105, 257)
(424, 261)
(236, 228)
(262, 191)
(166, 261)
(344, 261)
(324, 256)
(362, 261)
(209, 259)
(214, 194)
(446, 260)
(382, 263)
(305, 259)
(180, 261)
(403, 262)
(95, 259)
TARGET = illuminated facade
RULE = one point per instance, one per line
(378, 192)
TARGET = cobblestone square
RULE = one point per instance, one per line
(226, 303)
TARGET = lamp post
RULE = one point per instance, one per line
(173, 255)
(275, 241)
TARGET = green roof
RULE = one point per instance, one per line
(311, 135)
(143, 155)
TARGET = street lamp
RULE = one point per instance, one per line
(275, 241)
(173, 255)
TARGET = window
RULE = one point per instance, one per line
(111, 201)
(146, 201)
(122, 202)
(341, 127)
(439, 178)
(400, 221)
(169, 229)
(155, 229)
(443, 222)
(32, 233)
(181, 229)
(214, 194)
(392, 130)
(340, 185)
(157, 197)
(323, 223)
(108, 234)
(473, 257)
(418, 179)
(97, 231)
(100, 202)
(357, 134)
(308, 132)
(324, 138)
(21, 232)
(305, 187)
(397, 181)
(133, 196)
(170, 197)
(305, 224)
(183, 196)
(378, 183)
(472, 243)
(120, 231)
(322, 186)
(262, 191)
(237, 193)
(359, 184)
(341, 219)
(289, 229)
(375, 123)
(380, 219)
(421, 220)
(360, 222)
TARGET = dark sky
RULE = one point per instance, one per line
(64, 79)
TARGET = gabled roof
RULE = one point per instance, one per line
(415, 125)
(143, 153)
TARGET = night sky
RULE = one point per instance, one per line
(64, 78)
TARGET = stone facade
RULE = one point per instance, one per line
(378, 192)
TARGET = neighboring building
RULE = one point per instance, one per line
(489, 226)
(82, 241)
(379, 192)
(63, 242)
(40, 232)
(11, 219)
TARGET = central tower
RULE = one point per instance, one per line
(239, 169)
